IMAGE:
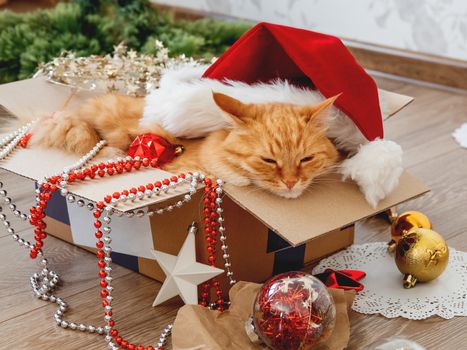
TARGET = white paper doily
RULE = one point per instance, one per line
(384, 294)
(460, 135)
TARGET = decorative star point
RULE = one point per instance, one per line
(183, 273)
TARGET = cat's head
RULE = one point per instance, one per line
(278, 147)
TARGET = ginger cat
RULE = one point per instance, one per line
(276, 146)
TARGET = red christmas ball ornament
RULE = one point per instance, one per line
(152, 146)
(293, 311)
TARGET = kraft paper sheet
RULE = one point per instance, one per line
(197, 328)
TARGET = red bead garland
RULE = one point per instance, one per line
(211, 234)
(102, 169)
(23, 142)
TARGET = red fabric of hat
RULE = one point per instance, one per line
(270, 51)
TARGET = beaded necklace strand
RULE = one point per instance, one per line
(45, 281)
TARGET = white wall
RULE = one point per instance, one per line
(431, 26)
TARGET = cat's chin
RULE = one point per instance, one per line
(289, 194)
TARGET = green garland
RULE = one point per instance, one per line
(94, 26)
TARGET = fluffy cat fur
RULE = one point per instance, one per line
(279, 147)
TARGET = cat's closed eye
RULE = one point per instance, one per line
(306, 159)
(268, 160)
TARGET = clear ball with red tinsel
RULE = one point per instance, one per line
(293, 310)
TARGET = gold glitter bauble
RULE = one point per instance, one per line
(406, 222)
(421, 255)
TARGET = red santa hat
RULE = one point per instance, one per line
(285, 57)
(270, 51)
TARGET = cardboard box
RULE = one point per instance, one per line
(266, 234)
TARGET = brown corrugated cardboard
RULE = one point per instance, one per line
(248, 242)
(327, 206)
(391, 102)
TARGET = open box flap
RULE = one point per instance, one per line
(392, 102)
(31, 98)
(330, 205)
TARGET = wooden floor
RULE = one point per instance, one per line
(423, 129)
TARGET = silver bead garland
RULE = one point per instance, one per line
(223, 238)
(11, 141)
(44, 282)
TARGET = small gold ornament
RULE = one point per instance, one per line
(404, 223)
(421, 255)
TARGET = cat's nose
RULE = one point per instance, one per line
(290, 183)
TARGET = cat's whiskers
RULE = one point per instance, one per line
(321, 182)
(326, 179)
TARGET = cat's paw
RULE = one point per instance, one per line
(66, 131)
(112, 152)
(376, 168)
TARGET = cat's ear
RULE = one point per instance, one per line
(233, 107)
(318, 112)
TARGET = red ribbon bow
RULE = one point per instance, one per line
(342, 279)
